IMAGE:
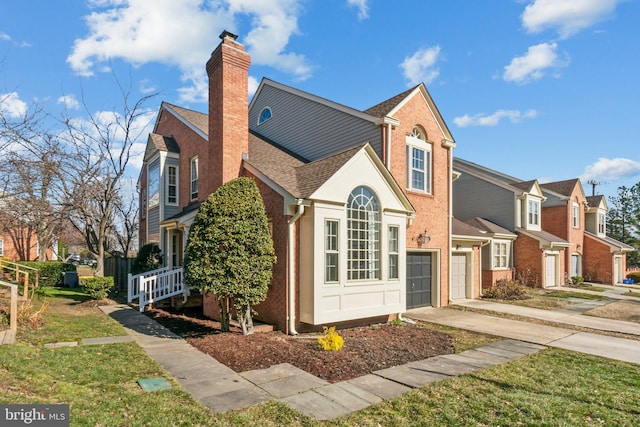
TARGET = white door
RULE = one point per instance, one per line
(618, 272)
(550, 271)
(458, 276)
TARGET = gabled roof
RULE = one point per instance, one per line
(164, 143)
(382, 109)
(564, 188)
(463, 229)
(198, 122)
(499, 179)
(525, 186)
(597, 201)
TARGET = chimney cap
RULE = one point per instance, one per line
(228, 34)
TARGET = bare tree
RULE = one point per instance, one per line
(98, 152)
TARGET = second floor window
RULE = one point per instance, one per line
(602, 223)
(534, 212)
(194, 179)
(419, 162)
(363, 235)
(172, 185)
(153, 185)
(576, 215)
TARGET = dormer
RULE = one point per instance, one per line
(529, 208)
(596, 216)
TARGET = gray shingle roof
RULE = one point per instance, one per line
(164, 143)
(562, 187)
(383, 108)
(488, 226)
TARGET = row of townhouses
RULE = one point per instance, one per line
(370, 213)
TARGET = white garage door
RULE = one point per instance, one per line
(458, 276)
(550, 272)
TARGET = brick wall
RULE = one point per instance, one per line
(597, 263)
(528, 260)
(490, 277)
(432, 210)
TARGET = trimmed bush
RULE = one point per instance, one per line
(149, 258)
(576, 280)
(635, 276)
(330, 340)
(51, 273)
(97, 287)
(506, 289)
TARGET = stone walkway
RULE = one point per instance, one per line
(221, 389)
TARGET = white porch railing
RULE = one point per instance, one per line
(155, 285)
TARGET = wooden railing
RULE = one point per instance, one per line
(8, 336)
(26, 276)
(155, 285)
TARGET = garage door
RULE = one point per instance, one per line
(550, 273)
(419, 270)
(458, 276)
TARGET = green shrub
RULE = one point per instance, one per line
(51, 273)
(576, 280)
(149, 258)
(635, 276)
(506, 289)
(97, 287)
(330, 340)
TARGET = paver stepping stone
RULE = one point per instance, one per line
(315, 405)
(411, 376)
(379, 386)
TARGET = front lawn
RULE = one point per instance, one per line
(553, 387)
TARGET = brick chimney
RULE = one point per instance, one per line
(228, 71)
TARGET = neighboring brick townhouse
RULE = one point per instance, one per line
(358, 201)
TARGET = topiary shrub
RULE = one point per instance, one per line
(229, 251)
(576, 280)
(330, 340)
(97, 287)
(506, 289)
(149, 258)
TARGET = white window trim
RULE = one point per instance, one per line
(575, 213)
(1, 247)
(533, 225)
(392, 253)
(499, 253)
(191, 178)
(177, 185)
(328, 251)
(601, 223)
(413, 142)
(373, 258)
(260, 121)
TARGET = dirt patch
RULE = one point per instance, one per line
(366, 349)
(619, 310)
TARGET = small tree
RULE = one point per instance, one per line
(230, 251)
(149, 258)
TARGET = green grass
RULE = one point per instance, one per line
(553, 387)
(570, 294)
(632, 294)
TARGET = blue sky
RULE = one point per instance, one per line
(545, 89)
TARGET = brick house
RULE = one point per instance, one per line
(358, 201)
(604, 258)
(18, 241)
(512, 208)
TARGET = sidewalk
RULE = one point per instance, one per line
(221, 389)
(627, 350)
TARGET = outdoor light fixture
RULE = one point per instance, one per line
(424, 237)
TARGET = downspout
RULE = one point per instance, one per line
(387, 157)
(450, 184)
(292, 270)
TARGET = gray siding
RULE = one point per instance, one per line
(474, 197)
(170, 210)
(308, 128)
(153, 221)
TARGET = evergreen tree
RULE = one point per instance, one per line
(229, 251)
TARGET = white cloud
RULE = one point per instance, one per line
(514, 116)
(568, 17)
(611, 169)
(5, 36)
(253, 86)
(183, 34)
(421, 66)
(532, 65)
(69, 101)
(362, 6)
(12, 106)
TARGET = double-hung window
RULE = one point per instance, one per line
(153, 184)
(363, 235)
(194, 178)
(602, 222)
(394, 272)
(534, 212)
(172, 185)
(500, 255)
(576, 215)
(1, 247)
(331, 254)
(419, 161)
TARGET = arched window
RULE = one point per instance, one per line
(419, 161)
(363, 235)
(265, 115)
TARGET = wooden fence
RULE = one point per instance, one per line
(119, 268)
